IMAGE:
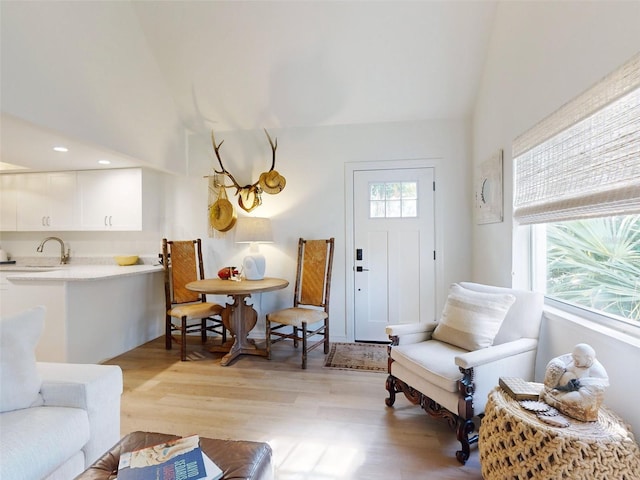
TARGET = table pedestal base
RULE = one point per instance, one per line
(241, 321)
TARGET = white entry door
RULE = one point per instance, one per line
(394, 245)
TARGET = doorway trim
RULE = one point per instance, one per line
(349, 169)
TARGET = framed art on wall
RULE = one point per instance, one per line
(488, 190)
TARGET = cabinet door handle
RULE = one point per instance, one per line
(43, 222)
(105, 220)
(110, 220)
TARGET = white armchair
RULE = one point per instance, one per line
(449, 367)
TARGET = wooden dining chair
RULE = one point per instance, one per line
(186, 311)
(309, 316)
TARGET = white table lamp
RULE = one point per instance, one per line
(254, 230)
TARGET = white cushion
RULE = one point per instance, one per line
(432, 361)
(471, 320)
(296, 315)
(523, 318)
(36, 441)
(19, 378)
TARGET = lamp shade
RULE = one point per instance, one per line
(253, 230)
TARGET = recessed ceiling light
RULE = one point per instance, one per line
(104, 162)
(61, 149)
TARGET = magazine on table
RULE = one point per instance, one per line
(179, 459)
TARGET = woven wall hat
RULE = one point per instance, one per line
(272, 182)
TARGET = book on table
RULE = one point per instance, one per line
(520, 389)
(179, 459)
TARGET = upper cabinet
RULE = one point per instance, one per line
(46, 201)
(91, 200)
(8, 202)
(110, 199)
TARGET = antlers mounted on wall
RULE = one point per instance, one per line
(250, 196)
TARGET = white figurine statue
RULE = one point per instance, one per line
(575, 383)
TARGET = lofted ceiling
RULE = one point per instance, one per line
(131, 80)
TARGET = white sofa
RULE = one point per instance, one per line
(55, 419)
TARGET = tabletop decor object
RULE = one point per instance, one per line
(575, 383)
(227, 273)
(520, 389)
(125, 260)
(254, 230)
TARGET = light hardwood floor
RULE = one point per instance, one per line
(322, 423)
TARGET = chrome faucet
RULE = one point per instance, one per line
(64, 257)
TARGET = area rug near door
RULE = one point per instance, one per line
(358, 356)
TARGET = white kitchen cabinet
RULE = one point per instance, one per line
(92, 200)
(46, 201)
(110, 199)
(8, 202)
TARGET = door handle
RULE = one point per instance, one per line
(360, 269)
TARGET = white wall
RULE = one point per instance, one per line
(542, 54)
(312, 205)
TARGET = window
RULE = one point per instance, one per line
(577, 181)
(592, 263)
(393, 199)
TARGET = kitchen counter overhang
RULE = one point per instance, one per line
(94, 312)
(74, 272)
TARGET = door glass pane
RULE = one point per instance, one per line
(394, 209)
(376, 209)
(409, 190)
(376, 191)
(409, 208)
(394, 191)
(393, 200)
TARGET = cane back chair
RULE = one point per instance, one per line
(309, 316)
(186, 311)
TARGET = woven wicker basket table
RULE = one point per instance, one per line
(515, 444)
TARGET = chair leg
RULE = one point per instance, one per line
(203, 330)
(167, 332)
(464, 429)
(268, 337)
(183, 346)
(326, 336)
(224, 328)
(304, 345)
(295, 337)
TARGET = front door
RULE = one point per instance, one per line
(394, 249)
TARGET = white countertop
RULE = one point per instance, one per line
(74, 272)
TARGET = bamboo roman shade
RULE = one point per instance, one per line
(584, 159)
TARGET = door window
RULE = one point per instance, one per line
(393, 199)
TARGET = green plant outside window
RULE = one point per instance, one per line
(595, 263)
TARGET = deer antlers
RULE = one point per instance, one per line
(250, 196)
